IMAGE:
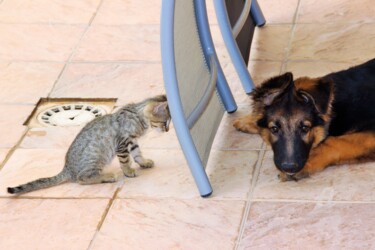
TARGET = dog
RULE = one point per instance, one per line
(313, 123)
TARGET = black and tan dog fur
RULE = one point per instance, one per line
(313, 123)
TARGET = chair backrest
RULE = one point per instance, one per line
(190, 83)
(194, 79)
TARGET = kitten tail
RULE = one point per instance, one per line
(40, 183)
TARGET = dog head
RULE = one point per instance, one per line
(294, 117)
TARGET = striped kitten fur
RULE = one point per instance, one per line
(102, 139)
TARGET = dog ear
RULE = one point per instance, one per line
(320, 95)
(272, 88)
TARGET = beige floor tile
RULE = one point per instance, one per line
(211, 12)
(50, 137)
(270, 43)
(217, 38)
(33, 42)
(29, 164)
(333, 42)
(262, 71)
(120, 43)
(340, 183)
(277, 225)
(314, 11)
(127, 82)
(315, 69)
(45, 11)
(11, 123)
(119, 12)
(230, 174)
(227, 137)
(170, 224)
(49, 224)
(27, 82)
(278, 11)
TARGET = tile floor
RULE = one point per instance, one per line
(110, 48)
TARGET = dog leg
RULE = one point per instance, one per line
(247, 124)
(349, 148)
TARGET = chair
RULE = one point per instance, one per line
(197, 91)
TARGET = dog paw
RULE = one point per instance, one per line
(244, 124)
(147, 164)
(300, 175)
(239, 124)
(283, 177)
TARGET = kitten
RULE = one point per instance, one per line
(100, 140)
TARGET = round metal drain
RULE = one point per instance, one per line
(70, 114)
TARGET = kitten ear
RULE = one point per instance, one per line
(160, 108)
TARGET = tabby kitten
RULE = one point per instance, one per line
(100, 140)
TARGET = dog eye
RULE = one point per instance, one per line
(305, 98)
(305, 128)
(274, 129)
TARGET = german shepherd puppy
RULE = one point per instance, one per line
(312, 123)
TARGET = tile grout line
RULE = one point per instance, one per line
(67, 62)
(249, 201)
(316, 23)
(301, 60)
(104, 216)
(270, 200)
(314, 201)
(126, 62)
(17, 104)
(292, 32)
(86, 62)
(135, 62)
(14, 148)
(53, 198)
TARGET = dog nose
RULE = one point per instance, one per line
(289, 167)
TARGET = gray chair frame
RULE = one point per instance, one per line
(251, 7)
(192, 75)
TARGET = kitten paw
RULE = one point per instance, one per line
(130, 172)
(109, 178)
(147, 164)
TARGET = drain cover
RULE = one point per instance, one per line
(70, 114)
